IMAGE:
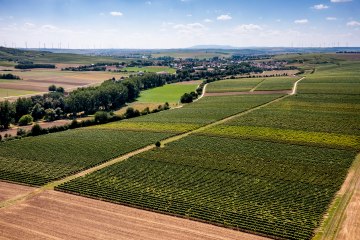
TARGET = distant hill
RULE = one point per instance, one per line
(212, 47)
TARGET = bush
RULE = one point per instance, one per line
(26, 120)
(102, 117)
(20, 132)
(52, 88)
(157, 144)
(36, 130)
(130, 113)
(74, 124)
(186, 98)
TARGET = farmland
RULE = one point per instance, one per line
(38, 80)
(273, 171)
(252, 84)
(170, 93)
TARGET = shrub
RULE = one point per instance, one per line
(157, 144)
(186, 98)
(20, 132)
(130, 113)
(102, 117)
(36, 130)
(26, 120)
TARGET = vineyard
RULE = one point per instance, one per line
(271, 188)
(273, 171)
(254, 84)
(39, 160)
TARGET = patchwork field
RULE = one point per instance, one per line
(272, 170)
(38, 80)
(82, 218)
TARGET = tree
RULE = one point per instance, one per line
(7, 113)
(37, 112)
(26, 120)
(22, 107)
(52, 88)
(130, 113)
(50, 115)
(60, 90)
(157, 144)
(186, 98)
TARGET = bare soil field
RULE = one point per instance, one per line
(40, 79)
(350, 225)
(57, 215)
(247, 93)
(11, 190)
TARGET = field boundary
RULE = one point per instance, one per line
(257, 85)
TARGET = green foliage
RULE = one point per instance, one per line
(9, 76)
(50, 115)
(52, 88)
(25, 120)
(36, 130)
(186, 98)
(37, 112)
(22, 107)
(7, 113)
(102, 117)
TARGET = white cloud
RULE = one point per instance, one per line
(320, 7)
(224, 17)
(49, 28)
(244, 28)
(353, 24)
(208, 20)
(190, 28)
(340, 1)
(29, 25)
(116, 14)
(331, 18)
(301, 21)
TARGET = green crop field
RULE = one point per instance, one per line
(170, 93)
(277, 83)
(234, 85)
(153, 69)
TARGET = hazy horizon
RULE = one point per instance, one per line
(174, 24)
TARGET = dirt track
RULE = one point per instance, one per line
(57, 215)
(10, 190)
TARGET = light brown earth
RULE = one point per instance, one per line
(350, 225)
(40, 79)
(57, 215)
(11, 190)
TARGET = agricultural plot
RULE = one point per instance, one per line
(233, 85)
(270, 188)
(170, 93)
(277, 83)
(316, 119)
(38, 160)
(13, 92)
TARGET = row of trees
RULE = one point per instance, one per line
(9, 76)
(34, 65)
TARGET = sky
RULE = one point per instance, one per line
(179, 23)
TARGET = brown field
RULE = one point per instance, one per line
(39, 80)
(247, 93)
(349, 228)
(190, 82)
(57, 215)
(11, 190)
